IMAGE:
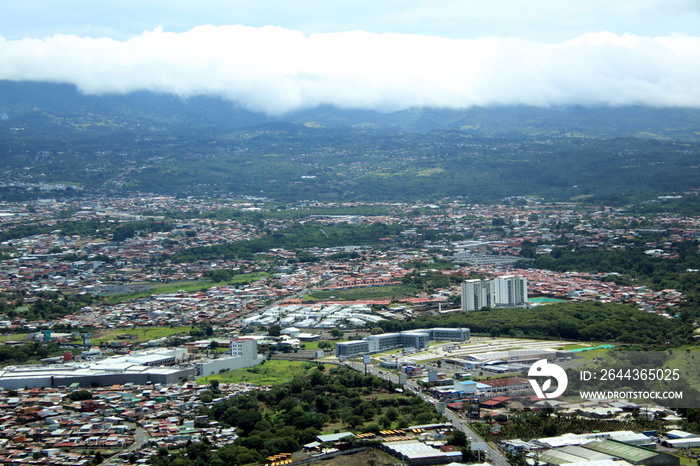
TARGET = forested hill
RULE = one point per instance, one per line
(56, 142)
(585, 321)
(30, 102)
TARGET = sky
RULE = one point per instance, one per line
(277, 56)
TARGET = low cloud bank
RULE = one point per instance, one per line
(275, 70)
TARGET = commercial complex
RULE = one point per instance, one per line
(137, 368)
(413, 339)
(164, 366)
(243, 353)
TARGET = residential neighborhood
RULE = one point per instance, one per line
(129, 397)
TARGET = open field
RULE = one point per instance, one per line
(271, 372)
(14, 336)
(142, 333)
(187, 286)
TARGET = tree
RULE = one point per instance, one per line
(392, 414)
(336, 333)
(325, 344)
(458, 438)
(385, 422)
(354, 421)
(80, 395)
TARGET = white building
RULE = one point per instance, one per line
(505, 291)
(510, 290)
(244, 353)
(477, 294)
(416, 339)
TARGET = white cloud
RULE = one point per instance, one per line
(276, 70)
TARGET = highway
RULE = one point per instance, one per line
(492, 455)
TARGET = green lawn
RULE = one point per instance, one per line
(271, 372)
(14, 337)
(576, 346)
(313, 345)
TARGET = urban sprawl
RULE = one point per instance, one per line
(143, 393)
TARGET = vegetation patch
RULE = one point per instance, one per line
(430, 172)
(531, 425)
(140, 334)
(184, 286)
(290, 415)
(271, 372)
(584, 321)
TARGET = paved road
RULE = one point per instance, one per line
(141, 437)
(492, 455)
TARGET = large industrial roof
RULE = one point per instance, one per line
(625, 451)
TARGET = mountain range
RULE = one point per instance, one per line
(57, 141)
(25, 103)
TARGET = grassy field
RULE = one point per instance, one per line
(142, 333)
(375, 292)
(186, 286)
(272, 372)
(14, 337)
(576, 346)
(99, 336)
(686, 365)
(310, 345)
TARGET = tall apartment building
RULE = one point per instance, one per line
(477, 294)
(505, 291)
(511, 290)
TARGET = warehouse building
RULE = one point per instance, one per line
(85, 375)
(508, 359)
(415, 453)
(578, 450)
(624, 436)
(633, 454)
(141, 367)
